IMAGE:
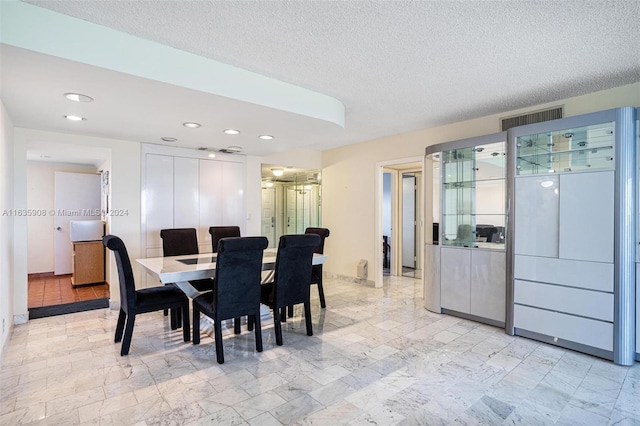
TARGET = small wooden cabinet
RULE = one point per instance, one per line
(88, 263)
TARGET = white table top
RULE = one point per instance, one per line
(173, 269)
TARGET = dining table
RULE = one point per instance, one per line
(179, 270)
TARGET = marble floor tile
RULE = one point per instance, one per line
(377, 357)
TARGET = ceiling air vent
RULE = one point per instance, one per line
(530, 118)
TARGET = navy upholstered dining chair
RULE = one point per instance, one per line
(316, 270)
(219, 232)
(178, 242)
(292, 278)
(134, 302)
(183, 241)
(236, 291)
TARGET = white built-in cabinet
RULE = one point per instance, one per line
(184, 188)
(563, 267)
(572, 188)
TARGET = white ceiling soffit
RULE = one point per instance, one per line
(397, 66)
(42, 30)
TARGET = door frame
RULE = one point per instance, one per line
(380, 168)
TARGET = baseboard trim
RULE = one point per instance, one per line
(68, 308)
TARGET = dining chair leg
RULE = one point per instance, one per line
(258, 331)
(175, 318)
(128, 333)
(236, 325)
(219, 349)
(321, 294)
(277, 326)
(283, 314)
(196, 326)
(250, 323)
(290, 311)
(307, 318)
(120, 326)
(186, 328)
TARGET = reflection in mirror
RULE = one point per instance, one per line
(291, 201)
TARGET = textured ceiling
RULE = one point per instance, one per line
(399, 65)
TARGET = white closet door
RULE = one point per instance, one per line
(186, 193)
(158, 198)
(536, 216)
(586, 216)
(233, 194)
(211, 201)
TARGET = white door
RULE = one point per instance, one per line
(269, 215)
(77, 197)
(408, 220)
(291, 211)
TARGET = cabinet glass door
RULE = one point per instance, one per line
(582, 148)
(473, 213)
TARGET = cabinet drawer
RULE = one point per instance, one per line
(586, 303)
(594, 333)
(573, 273)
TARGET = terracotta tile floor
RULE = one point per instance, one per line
(51, 290)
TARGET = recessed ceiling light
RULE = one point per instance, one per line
(231, 132)
(266, 137)
(74, 118)
(168, 139)
(77, 97)
(212, 155)
(277, 172)
(191, 125)
(268, 184)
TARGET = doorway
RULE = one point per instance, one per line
(410, 210)
(399, 223)
(51, 289)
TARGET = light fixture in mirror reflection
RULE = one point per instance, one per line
(291, 202)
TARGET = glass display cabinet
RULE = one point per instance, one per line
(474, 196)
(585, 148)
(465, 259)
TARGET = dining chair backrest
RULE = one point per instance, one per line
(219, 232)
(179, 241)
(125, 272)
(293, 269)
(238, 273)
(322, 233)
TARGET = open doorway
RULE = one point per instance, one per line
(399, 219)
(66, 185)
(411, 209)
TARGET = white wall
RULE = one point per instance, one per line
(40, 196)
(6, 227)
(349, 173)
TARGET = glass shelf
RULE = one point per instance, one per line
(582, 148)
(473, 196)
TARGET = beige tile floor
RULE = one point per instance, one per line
(377, 357)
